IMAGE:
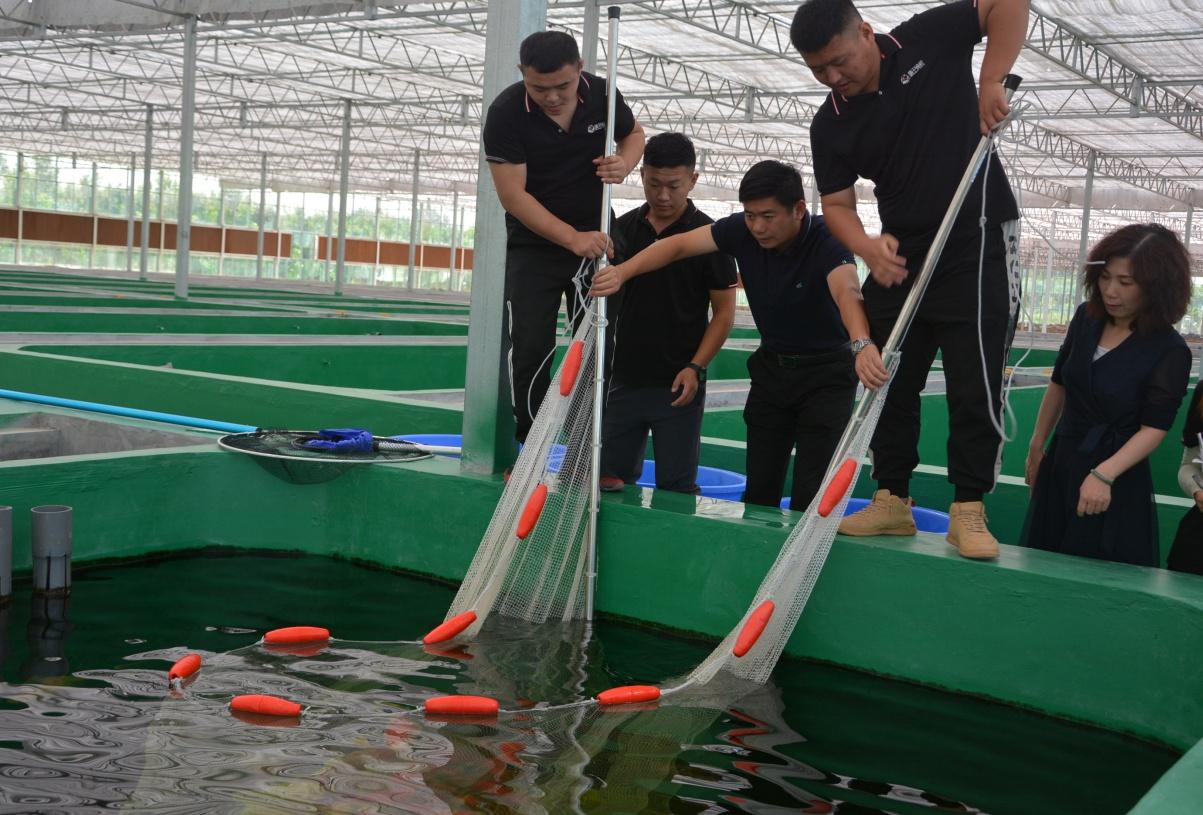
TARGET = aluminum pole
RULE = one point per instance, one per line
(413, 218)
(147, 156)
(183, 226)
(344, 170)
(262, 213)
(129, 213)
(599, 304)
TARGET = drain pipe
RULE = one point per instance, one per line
(52, 550)
(132, 413)
(6, 556)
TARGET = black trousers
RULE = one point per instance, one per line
(795, 402)
(947, 321)
(537, 279)
(632, 411)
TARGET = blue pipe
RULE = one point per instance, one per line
(133, 413)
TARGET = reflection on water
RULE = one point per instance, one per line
(113, 735)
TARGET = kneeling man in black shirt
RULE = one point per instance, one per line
(805, 297)
(662, 338)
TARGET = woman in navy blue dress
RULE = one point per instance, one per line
(1116, 388)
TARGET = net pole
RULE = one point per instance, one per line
(599, 337)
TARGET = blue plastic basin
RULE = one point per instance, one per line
(926, 520)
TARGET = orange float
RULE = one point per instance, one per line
(264, 705)
(184, 667)
(462, 706)
(838, 486)
(532, 511)
(629, 695)
(451, 628)
(753, 628)
(296, 634)
(572, 367)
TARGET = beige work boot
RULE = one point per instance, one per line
(887, 514)
(968, 533)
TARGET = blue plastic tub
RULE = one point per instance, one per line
(713, 482)
(926, 520)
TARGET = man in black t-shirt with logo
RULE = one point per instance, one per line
(904, 112)
(663, 340)
(805, 297)
(544, 139)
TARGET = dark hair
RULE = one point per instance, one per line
(772, 179)
(1160, 266)
(817, 22)
(546, 52)
(669, 150)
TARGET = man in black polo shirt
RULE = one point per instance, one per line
(805, 297)
(904, 112)
(544, 139)
(662, 339)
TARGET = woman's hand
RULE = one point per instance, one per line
(1093, 497)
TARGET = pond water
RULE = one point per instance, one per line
(87, 721)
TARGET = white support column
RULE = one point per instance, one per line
(20, 208)
(344, 174)
(488, 419)
(162, 227)
(183, 228)
(147, 155)
(421, 241)
(1084, 242)
(221, 225)
(454, 244)
(279, 236)
(329, 234)
(262, 206)
(413, 218)
(376, 240)
(590, 35)
(95, 221)
(129, 214)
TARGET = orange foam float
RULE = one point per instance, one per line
(462, 706)
(296, 634)
(184, 667)
(628, 695)
(532, 511)
(264, 705)
(838, 486)
(451, 628)
(572, 367)
(753, 628)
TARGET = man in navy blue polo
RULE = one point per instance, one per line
(904, 112)
(544, 139)
(805, 297)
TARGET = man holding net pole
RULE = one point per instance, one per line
(544, 139)
(904, 112)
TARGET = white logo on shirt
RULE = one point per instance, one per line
(596, 126)
(907, 76)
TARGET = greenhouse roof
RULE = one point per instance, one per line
(1113, 83)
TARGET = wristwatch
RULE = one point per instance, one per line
(699, 370)
(860, 345)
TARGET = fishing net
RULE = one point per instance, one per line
(752, 648)
(532, 559)
(299, 457)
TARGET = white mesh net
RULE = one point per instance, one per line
(540, 578)
(793, 575)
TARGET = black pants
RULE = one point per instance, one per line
(802, 402)
(947, 321)
(537, 279)
(631, 412)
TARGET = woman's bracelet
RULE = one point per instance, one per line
(1103, 478)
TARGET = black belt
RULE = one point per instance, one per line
(804, 360)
